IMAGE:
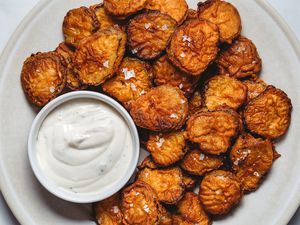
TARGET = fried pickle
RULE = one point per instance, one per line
(166, 149)
(108, 211)
(197, 163)
(78, 24)
(213, 131)
(139, 205)
(165, 73)
(177, 9)
(223, 91)
(219, 191)
(269, 114)
(193, 46)
(105, 21)
(188, 181)
(166, 217)
(149, 34)
(240, 60)
(99, 56)
(180, 220)
(224, 15)
(163, 108)
(148, 163)
(192, 14)
(43, 77)
(255, 86)
(167, 183)
(191, 209)
(133, 79)
(251, 159)
(195, 102)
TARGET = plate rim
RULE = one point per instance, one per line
(10, 197)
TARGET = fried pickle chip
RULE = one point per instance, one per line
(197, 163)
(139, 205)
(167, 183)
(105, 21)
(166, 217)
(165, 73)
(108, 211)
(180, 220)
(195, 102)
(191, 209)
(72, 81)
(177, 9)
(193, 46)
(213, 131)
(43, 77)
(163, 108)
(99, 56)
(240, 60)
(188, 181)
(124, 8)
(255, 87)
(224, 15)
(149, 34)
(166, 149)
(269, 114)
(192, 14)
(251, 159)
(78, 24)
(148, 163)
(219, 191)
(224, 91)
(133, 79)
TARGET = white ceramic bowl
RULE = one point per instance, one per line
(47, 182)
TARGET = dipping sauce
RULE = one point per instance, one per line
(84, 145)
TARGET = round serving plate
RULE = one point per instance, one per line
(273, 204)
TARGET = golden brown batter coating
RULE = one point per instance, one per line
(192, 14)
(133, 79)
(167, 183)
(189, 181)
(240, 59)
(78, 24)
(223, 91)
(213, 131)
(195, 102)
(251, 159)
(165, 73)
(105, 21)
(177, 9)
(220, 191)
(166, 217)
(148, 163)
(193, 46)
(255, 86)
(197, 163)
(166, 149)
(108, 211)
(163, 108)
(43, 77)
(269, 114)
(99, 56)
(139, 205)
(180, 220)
(224, 15)
(149, 34)
(124, 8)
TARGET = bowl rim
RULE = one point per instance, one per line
(50, 185)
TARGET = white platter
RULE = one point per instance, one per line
(273, 204)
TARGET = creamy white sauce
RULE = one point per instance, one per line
(84, 145)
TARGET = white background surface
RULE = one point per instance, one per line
(12, 12)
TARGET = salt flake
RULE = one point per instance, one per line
(116, 209)
(160, 142)
(128, 73)
(165, 27)
(146, 208)
(106, 64)
(52, 89)
(147, 25)
(202, 156)
(133, 87)
(186, 38)
(173, 115)
(134, 51)
(180, 86)
(182, 55)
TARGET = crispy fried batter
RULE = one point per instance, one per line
(78, 24)
(220, 191)
(166, 149)
(191, 209)
(163, 108)
(177, 9)
(251, 159)
(255, 87)
(195, 103)
(105, 20)
(72, 81)
(149, 34)
(43, 77)
(223, 91)
(180, 220)
(189, 181)
(148, 163)
(240, 60)
(224, 15)
(197, 163)
(139, 205)
(133, 79)
(167, 183)
(166, 217)
(213, 131)
(192, 14)
(165, 73)
(193, 46)
(269, 114)
(108, 211)
(124, 8)
(98, 56)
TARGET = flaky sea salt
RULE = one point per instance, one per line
(147, 25)
(106, 64)
(133, 87)
(164, 27)
(256, 174)
(186, 38)
(52, 89)
(160, 142)
(116, 209)
(128, 73)
(202, 156)
(173, 115)
(146, 208)
(182, 55)
(134, 51)
(180, 86)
